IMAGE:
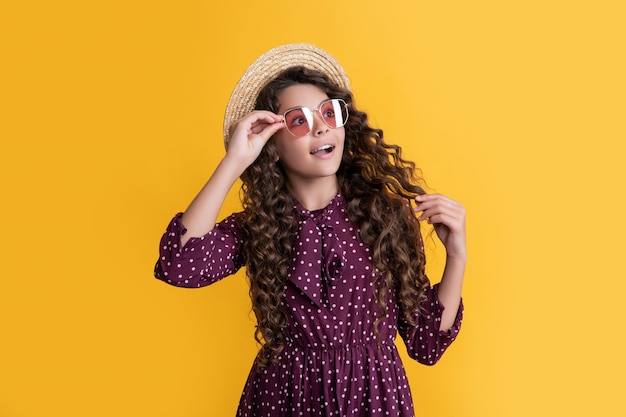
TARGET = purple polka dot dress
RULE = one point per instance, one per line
(332, 364)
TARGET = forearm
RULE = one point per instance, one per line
(201, 215)
(450, 289)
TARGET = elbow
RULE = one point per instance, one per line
(162, 270)
(426, 356)
(169, 275)
(430, 360)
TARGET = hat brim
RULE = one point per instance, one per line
(268, 66)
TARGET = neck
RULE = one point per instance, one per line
(315, 194)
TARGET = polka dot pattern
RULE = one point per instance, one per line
(332, 364)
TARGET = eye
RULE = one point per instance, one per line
(327, 110)
(297, 121)
(295, 118)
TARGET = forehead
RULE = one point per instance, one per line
(306, 95)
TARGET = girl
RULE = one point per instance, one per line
(331, 243)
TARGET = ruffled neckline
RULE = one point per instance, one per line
(322, 214)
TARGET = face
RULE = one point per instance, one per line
(317, 154)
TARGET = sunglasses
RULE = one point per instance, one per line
(299, 120)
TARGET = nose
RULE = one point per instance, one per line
(319, 126)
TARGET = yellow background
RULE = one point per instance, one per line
(110, 122)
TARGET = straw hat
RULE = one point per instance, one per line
(271, 64)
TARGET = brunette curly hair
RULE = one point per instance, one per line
(379, 186)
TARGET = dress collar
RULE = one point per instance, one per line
(322, 214)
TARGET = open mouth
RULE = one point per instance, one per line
(323, 148)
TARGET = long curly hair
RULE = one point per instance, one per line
(379, 186)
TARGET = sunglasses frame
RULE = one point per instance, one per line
(318, 111)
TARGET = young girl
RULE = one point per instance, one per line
(330, 238)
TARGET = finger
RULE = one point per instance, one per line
(427, 197)
(440, 218)
(263, 114)
(254, 118)
(270, 129)
(457, 213)
(258, 127)
(265, 118)
(433, 198)
(446, 222)
(438, 206)
(428, 214)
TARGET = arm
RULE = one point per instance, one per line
(203, 260)
(448, 218)
(193, 251)
(426, 340)
(248, 137)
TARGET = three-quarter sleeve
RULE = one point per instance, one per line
(425, 342)
(203, 260)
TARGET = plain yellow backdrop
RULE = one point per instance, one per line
(110, 122)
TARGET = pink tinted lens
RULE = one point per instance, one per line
(334, 113)
(297, 122)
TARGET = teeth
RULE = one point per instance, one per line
(327, 148)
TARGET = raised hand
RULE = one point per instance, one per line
(448, 218)
(249, 135)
